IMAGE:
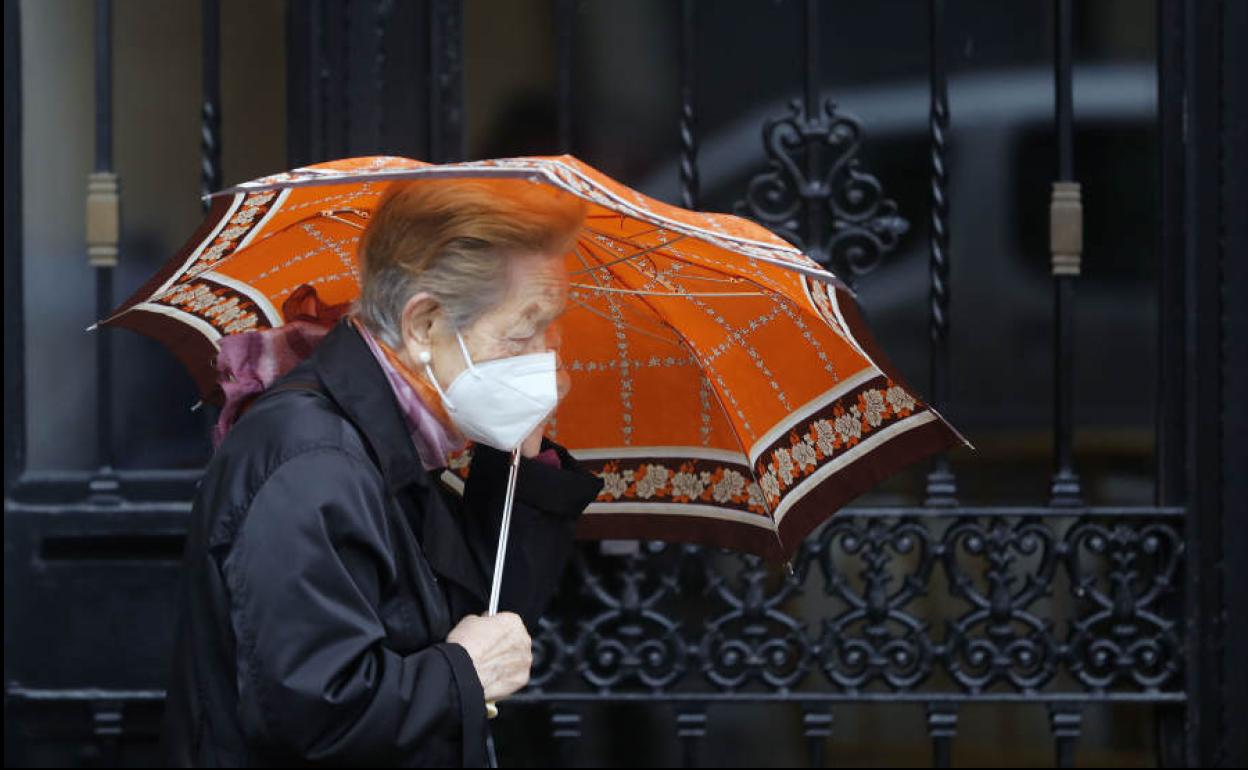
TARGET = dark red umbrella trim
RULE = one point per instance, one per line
(192, 348)
(816, 506)
(218, 210)
(830, 412)
(862, 333)
(861, 476)
(819, 439)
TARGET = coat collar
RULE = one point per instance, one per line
(356, 383)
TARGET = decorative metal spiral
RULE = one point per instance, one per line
(849, 205)
(887, 601)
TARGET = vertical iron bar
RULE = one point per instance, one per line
(363, 28)
(1204, 610)
(1063, 94)
(384, 10)
(812, 191)
(210, 115)
(942, 726)
(1066, 722)
(103, 85)
(688, 135)
(345, 83)
(104, 374)
(817, 728)
(360, 105)
(1065, 488)
(565, 24)
(1170, 412)
(107, 727)
(324, 78)
(565, 728)
(1194, 93)
(318, 105)
(14, 318)
(691, 730)
(102, 243)
(301, 79)
(810, 55)
(446, 91)
(210, 175)
(941, 482)
(1234, 283)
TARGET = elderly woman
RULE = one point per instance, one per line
(335, 587)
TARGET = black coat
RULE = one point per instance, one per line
(324, 568)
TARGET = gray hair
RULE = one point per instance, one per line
(466, 279)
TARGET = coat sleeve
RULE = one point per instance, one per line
(548, 503)
(316, 680)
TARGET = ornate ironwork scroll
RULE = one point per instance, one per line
(829, 208)
(815, 195)
(1017, 601)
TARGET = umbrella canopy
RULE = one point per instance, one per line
(724, 385)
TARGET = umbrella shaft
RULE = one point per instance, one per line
(502, 533)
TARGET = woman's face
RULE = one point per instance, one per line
(525, 322)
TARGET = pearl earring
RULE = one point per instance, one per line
(424, 356)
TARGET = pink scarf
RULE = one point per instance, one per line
(433, 442)
(250, 362)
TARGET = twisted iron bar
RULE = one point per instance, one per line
(941, 483)
(688, 139)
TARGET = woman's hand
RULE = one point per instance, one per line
(501, 651)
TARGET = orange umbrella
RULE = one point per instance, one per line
(724, 385)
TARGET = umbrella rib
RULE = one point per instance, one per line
(650, 249)
(690, 277)
(329, 215)
(585, 261)
(678, 258)
(645, 249)
(672, 256)
(624, 259)
(673, 293)
(326, 213)
(637, 329)
(801, 308)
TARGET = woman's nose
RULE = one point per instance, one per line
(536, 345)
(553, 336)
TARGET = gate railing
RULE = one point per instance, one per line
(939, 605)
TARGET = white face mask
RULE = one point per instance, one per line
(500, 402)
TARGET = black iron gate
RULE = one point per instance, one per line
(941, 605)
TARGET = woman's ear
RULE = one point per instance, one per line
(419, 315)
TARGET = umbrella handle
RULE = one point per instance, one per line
(491, 710)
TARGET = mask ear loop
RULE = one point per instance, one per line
(425, 356)
(464, 348)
